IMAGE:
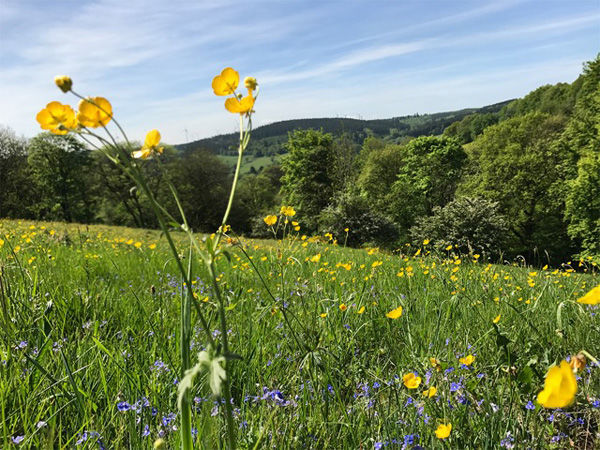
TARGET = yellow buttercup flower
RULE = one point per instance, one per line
(497, 318)
(270, 220)
(395, 313)
(240, 106)
(57, 118)
(94, 112)
(288, 211)
(443, 431)
(226, 83)
(592, 297)
(411, 381)
(560, 387)
(467, 360)
(343, 307)
(430, 392)
(150, 145)
(64, 83)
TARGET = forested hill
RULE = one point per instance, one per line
(268, 140)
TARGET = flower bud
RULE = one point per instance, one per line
(250, 83)
(64, 83)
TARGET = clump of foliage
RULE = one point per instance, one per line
(354, 221)
(473, 224)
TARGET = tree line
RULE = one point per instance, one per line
(523, 179)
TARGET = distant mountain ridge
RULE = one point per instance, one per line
(269, 139)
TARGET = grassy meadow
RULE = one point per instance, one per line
(89, 344)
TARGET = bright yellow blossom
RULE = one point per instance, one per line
(395, 313)
(226, 83)
(288, 211)
(94, 112)
(497, 318)
(270, 220)
(240, 106)
(467, 360)
(560, 387)
(430, 392)
(411, 381)
(592, 297)
(57, 118)
(150, 145)
(343, 307)
(443, 431)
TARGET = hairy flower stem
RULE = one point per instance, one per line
(186, 328)
(210, 264)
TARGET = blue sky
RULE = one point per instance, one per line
(155, 60)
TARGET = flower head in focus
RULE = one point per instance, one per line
(64, 83)
(560, 387)
(57, 118)
(150, 145)
(94, 112)
(226, 83)
(240, 105)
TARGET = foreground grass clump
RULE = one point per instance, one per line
(339, 348)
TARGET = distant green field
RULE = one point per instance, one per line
(250, 161)
(89, 352)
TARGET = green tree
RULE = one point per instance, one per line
(430, 170)
(59, 165)
(473, 224)
(307, 181)
(520, 164)
(117, 200)
(15, 186)
(582, 137)
(202, 182)
(379, 171)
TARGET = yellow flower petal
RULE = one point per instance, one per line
(152, 139)
(443, 431)
(270, 220)
(395, 313)
(236, 106)
(592, 297)
(467, 360)
(226, 83)
(411, 381)
(94, 112)
(560, 387)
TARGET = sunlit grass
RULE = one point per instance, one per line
(89, 344)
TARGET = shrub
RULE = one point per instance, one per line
(473, 223)
(364, 224)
